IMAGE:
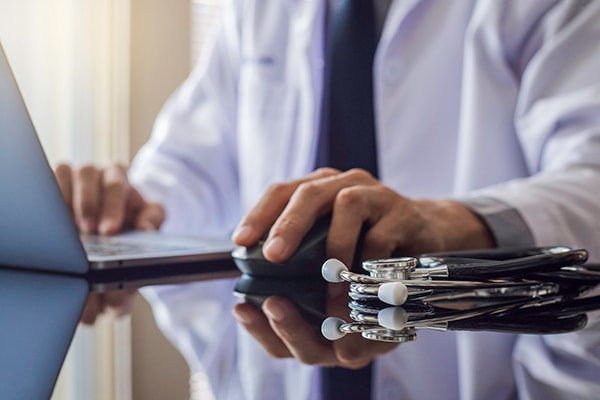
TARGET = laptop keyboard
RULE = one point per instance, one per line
(111, 246)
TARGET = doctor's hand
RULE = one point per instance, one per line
(101, 200)
(394, 224)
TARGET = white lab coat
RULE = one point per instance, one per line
(473, 98)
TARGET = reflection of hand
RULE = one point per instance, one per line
(395, 224)
(102, 201)
(283, 332)
(117, 303)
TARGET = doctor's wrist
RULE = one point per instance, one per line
(459, 227)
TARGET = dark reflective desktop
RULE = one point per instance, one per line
(39, 313)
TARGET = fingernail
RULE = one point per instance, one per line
(276, 246)
(241, 316)
(88, 225)
(106, 227)
(241, 234)
(146, 226)
(274, 310)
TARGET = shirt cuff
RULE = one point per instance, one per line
(504, 222)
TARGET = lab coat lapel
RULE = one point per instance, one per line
(398, 11)
(280, 100)
(307, 39)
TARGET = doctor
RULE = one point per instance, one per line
(487, 120)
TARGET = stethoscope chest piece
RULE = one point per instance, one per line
(387, 335)
(391, 268)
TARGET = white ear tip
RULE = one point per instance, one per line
(331, 270)
(330, 328)
(393, 293)
(393, 318)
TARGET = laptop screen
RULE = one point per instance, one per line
(36, 230)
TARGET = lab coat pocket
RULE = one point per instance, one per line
(261, 99)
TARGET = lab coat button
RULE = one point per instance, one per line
(392, 71)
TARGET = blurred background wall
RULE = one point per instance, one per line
(160, 61)
(166, 39)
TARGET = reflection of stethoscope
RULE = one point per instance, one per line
(526, 291)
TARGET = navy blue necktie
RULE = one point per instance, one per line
(348, 135)
(348, 127)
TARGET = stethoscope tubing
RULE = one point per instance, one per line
(517, 267)
(549, 267)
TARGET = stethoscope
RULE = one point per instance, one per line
(535, 290)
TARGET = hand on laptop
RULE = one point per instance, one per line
(102, 201)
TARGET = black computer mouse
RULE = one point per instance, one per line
(298, 278)
(305, 262)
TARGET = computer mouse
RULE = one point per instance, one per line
(305, 262)
(298, 278)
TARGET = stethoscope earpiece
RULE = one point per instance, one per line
(332, 270)
(394, 318)
(393, 293)
(331, 328)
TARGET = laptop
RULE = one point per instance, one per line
(38, 234)
(47, 269)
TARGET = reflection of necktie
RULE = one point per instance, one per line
(348, 136)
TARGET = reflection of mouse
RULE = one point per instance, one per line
(305, 262)
(298, 278)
